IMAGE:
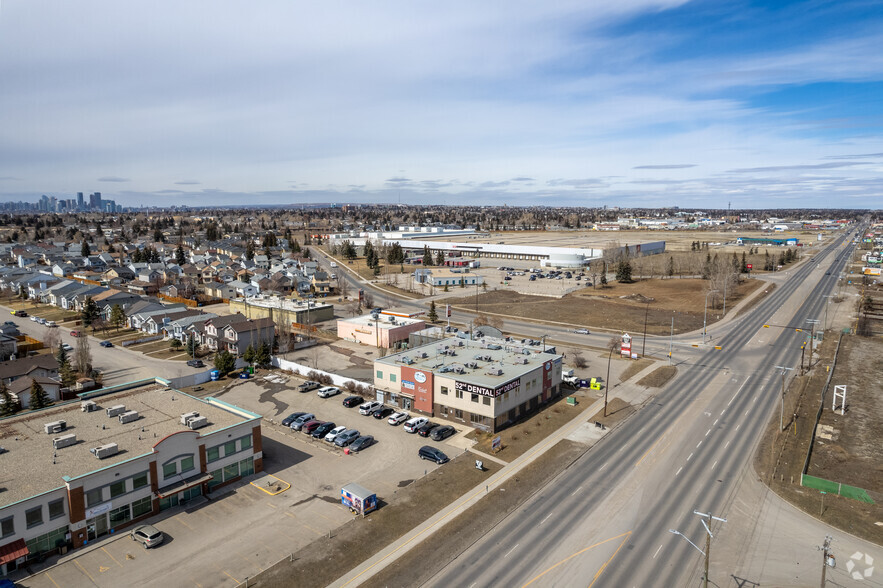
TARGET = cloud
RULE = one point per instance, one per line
(187, 183)
(668, 166)
(114, 179)
(170, 192)
(398, 181)
(490, 184)
(859, 156)
(581, 183)
(523, 179)
(775, 168)
(9, 179)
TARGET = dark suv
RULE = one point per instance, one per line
(432, 454)
(196, 363)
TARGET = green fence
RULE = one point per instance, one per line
(835, 488)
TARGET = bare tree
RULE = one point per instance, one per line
(83, 355)
(51, 339)
(578, 359)
(343, 286)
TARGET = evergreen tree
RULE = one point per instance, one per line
(433, 315)
(604, 276)
(90, 312)
(117, 316)
(65, 369)
(179, 255)
(262, 354)
(706, 268)
(427, 257)
(624, 272)
(249, 354)
(249, 249)
(85, 250)
(440, 258)
(671, 266)
(191, 345)
(744, 268)
(39, 398)
(225, 362)
(8, 404)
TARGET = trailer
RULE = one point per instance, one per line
(358, 499)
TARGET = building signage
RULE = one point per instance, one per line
(420, 377)
(418, 383)
(490, 392)
(407, 384)
(100, 509)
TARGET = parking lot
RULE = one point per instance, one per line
(247, 527)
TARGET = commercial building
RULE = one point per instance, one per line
(91, 467)
(440, 277)
(486, 385)
(386, 330)
(283, 311)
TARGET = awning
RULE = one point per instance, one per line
(184, 484)
(13, 551)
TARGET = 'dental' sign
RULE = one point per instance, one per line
(490, 392)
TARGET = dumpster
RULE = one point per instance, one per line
(358, 499)
(215, 374)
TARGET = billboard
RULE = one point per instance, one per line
(418, 383)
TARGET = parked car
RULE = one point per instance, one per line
(19, 313)
(441, 433)
(51, 324)
(328, 391)
(147, 535)
(67, 347)
(347, 437)
(333, 433)
(288, 420)
(362, 442)
(351, 401)
(432, 454)
(300, 421)
(398, 418)
(369, 407)
(76, 333)
(41, 320)
(581, 331)
(308, 385)
(311, 426)
(196, 363)
(106, 344)
(322, 430)
(382, 412)
(415, 423)
(35, 318)
(426, 429)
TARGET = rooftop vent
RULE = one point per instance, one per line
(54, 427)
(197, 422)
(88, 406)
(64, 441)
(494, 372)
(187, 416)
(129, 416)
(115, 410)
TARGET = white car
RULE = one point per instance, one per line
(369, 407)
(415, 423)
(35, 318)
(328, 391)
(398, 418)
(333, 433)
(581, 331)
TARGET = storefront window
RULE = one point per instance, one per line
(246, 466)
(217, 478)
(231, 471)
(141, 507)
(120, 515)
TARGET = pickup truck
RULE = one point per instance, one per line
(308, 385)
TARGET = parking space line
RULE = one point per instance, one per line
(195, 582)
(176, 519)
(231, 577)
(54, 583)
(312, 529)
(82, 569)
(111, 557)
(280, 491)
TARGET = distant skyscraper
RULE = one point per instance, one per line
(80, 200)
(95, 201)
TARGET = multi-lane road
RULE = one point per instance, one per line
(605, 521)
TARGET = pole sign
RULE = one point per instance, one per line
(448, 310)
(749, 265)
(495, 444)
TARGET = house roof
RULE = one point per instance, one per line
(23, 385)
(20, 367)
(252, 325)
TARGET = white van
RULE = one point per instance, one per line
(333, 264)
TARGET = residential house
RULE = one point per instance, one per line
(20, 389)
(243, 289)
(237, 336)
(36, 366)
(179, 328)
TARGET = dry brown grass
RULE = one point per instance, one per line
(658, 377)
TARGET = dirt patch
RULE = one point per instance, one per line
(617, 306)
(618, 410)
(518, 438)
(419, 565)
(634, 368)
(325, 560)
(658, 377)
(851, 456)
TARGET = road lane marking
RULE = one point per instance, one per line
(569, 557)
(577, 490)
(691, 455)
(676, 475)
(727, 445)
(698, 444)
(510, 551)
(746, 412)
(603, 466)
(601, 571)
(707, 432)
(723, 411)
(51, 580)
(714, 464)
(737, 426)
(715, 422)
(231, 577)
(545, 519)
(657, 551)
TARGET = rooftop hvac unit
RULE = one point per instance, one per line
(392, 319)
(495, 372)
(479, 357)
(129, 416)
(103, 451)
(115, 410)
(88, 406)
(197, 422)
(64, 441)
(524, 360)
(54, 427)
(424, 355)
(187, 416)
(459, 370)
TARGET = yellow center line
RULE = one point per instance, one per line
(601, 571)
(568, 558)
(651, 449)
(54, 582)
(231, 577)
(82, 569)
(111, 557)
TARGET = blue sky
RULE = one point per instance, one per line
(637, 102)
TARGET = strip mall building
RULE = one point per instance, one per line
(484, 385)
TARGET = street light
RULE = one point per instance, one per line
(708, 537)
(785, 370)
(705, 319)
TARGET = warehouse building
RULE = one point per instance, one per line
(389, 331)
(484, 385)
(88, 468)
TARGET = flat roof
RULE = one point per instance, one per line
(283, 303)
(31, 465)
(384, 322)
(470, 361)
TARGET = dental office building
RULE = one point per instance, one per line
(485, 385)
(89, 468)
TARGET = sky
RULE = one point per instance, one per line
(648, 103)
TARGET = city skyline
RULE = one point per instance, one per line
(645, 103)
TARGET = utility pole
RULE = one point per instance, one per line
(825, 548)
(708, 537)
(671, 339)
(827, 302)
(782, 412)
(644, 344)
(705, 319)
(812, 336)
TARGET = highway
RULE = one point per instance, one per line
(605, 521)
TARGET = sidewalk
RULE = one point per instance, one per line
(627, 391)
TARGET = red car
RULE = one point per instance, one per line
(311, 426)
(76, 333)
